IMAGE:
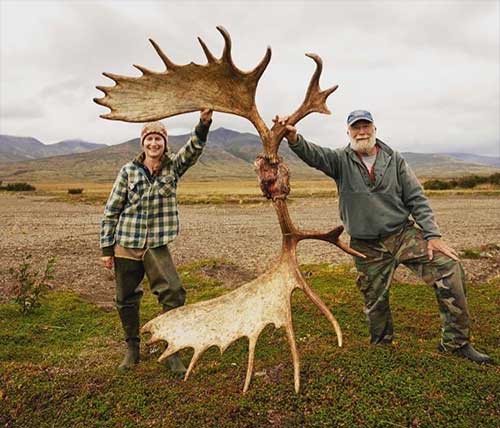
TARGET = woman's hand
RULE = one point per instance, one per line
(108, 261)
(206, 116)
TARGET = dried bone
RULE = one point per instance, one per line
(246, 311)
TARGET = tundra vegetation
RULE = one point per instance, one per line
(18, 187)
(466, 182)
(58, 366)
(75, 191)
(32, 285)
(242, 191)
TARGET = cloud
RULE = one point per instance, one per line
(429, 71)
(22, 110)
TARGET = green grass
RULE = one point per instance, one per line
(57, 366)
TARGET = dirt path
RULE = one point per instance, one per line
(248, 236)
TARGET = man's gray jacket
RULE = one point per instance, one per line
(372, 210)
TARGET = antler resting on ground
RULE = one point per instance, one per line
(244, 312)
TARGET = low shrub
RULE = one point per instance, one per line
(32, 285)
(75, 191)
(470, 253)
(437, 185)
(19, 187)
(471, 181)
(494, 178)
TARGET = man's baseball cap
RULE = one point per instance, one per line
(356, 115)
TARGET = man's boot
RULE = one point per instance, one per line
(468, 351)
(132, 357)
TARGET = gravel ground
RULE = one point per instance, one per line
(248, 236)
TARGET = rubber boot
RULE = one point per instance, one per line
(166, 285)
(132, 357)
(174, 362)
(176, 365)
(129, 316)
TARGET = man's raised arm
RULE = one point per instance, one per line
(321, 158)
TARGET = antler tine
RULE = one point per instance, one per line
(323, 308)
(226, 54)
(314, 101)
(104, 100)
(143, 70)
(344, 247)
(219, 85)
(262, 65)
(257, 72)
(251, 357)
(314, 82)
(117, 77)
(103, 89)
(295, 354)
(228, 59)
(210, 57)
(331, 236)
(101, 101)
(166, 60)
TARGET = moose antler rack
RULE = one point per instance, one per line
(221, 86)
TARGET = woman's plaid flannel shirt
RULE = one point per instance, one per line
(143, 214)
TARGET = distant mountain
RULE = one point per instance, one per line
(483, 160)
(228, 155)
(434, 165)
(67, 147)
(15, 149)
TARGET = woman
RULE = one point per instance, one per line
(140, 219)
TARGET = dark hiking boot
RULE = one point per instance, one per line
(132, 356)
(387, 341)
(176, 365)
(468, 351)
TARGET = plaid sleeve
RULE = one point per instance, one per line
(114, 207)
(187, 156)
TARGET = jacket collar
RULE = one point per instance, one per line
(166, 160)
(384, 156)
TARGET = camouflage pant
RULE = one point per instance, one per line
(446, 275)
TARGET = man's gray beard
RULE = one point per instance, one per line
(363, 146)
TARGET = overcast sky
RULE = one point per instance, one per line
(429, 71)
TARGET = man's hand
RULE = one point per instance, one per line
(108, 261)
(206, 116)
(291, 131)
(437, 244)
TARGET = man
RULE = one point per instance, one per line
(140, 219)
(377, 194)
